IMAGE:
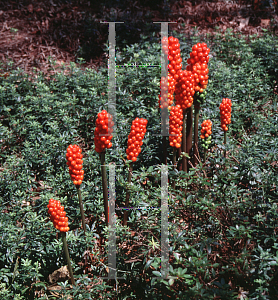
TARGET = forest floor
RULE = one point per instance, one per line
(33, 31)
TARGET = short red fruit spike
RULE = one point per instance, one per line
(103, 131)
(185, 89)
(225, 113)
(74, 161)
(206, 129)
(175, 126)
(58, 215)
(135, 138)
(198, 65)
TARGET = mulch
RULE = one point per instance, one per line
(34, 34)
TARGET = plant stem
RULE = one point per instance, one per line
(179, 165)
(189, 130)
(183, 145)
(225, 141)
(174, 165)
(127, 194)
(205, 155)
(81, 208)
(104, 185)
(67, 256)
(196, 135)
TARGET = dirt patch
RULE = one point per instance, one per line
(34, 33)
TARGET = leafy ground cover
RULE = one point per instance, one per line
(222, 213)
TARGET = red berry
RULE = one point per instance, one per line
(138, 130)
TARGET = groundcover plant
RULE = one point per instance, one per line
(222, 169)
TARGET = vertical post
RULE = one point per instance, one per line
(164, 223)
(112, 225)
(164, 106)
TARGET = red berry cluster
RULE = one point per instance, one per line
(197, 63)
(175, 126)
(201, 76)
(134, 142)
(74, 161)
(58, 215)
(185, 89)
(199, 54)
(175, 60)
(165, 101)
(225, 113)
(206, 129)
(103, 131)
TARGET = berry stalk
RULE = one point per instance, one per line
(174, 165)
(67, 256)
(81, 208)
(196, 134)
(189, 130)
(127, 193)
(104, 185)
(183, 145)
(225, 142)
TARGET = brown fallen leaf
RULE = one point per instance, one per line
(265, 22)
(61, 274)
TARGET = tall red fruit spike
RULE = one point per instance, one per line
(58, 215)
(225, 113)
(174, 57)
(175, 126)
(103, 131)
(74, 161)
(135, 138)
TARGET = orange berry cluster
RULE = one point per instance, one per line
(74, 161)
(197, 63)
(175, 126)
(185, 89)
(58, 215)
(134, 142)
(175, 60)
(165, 101)
(206, 129)
(201, 76)
(225, 113)
(103, 131)
(199, 54)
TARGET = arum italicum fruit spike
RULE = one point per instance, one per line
(60, 222)
(206, 135)
(134, 143)
(225, 116)
(103, 137)
(74, 161)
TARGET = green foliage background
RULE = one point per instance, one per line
(222, 215)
